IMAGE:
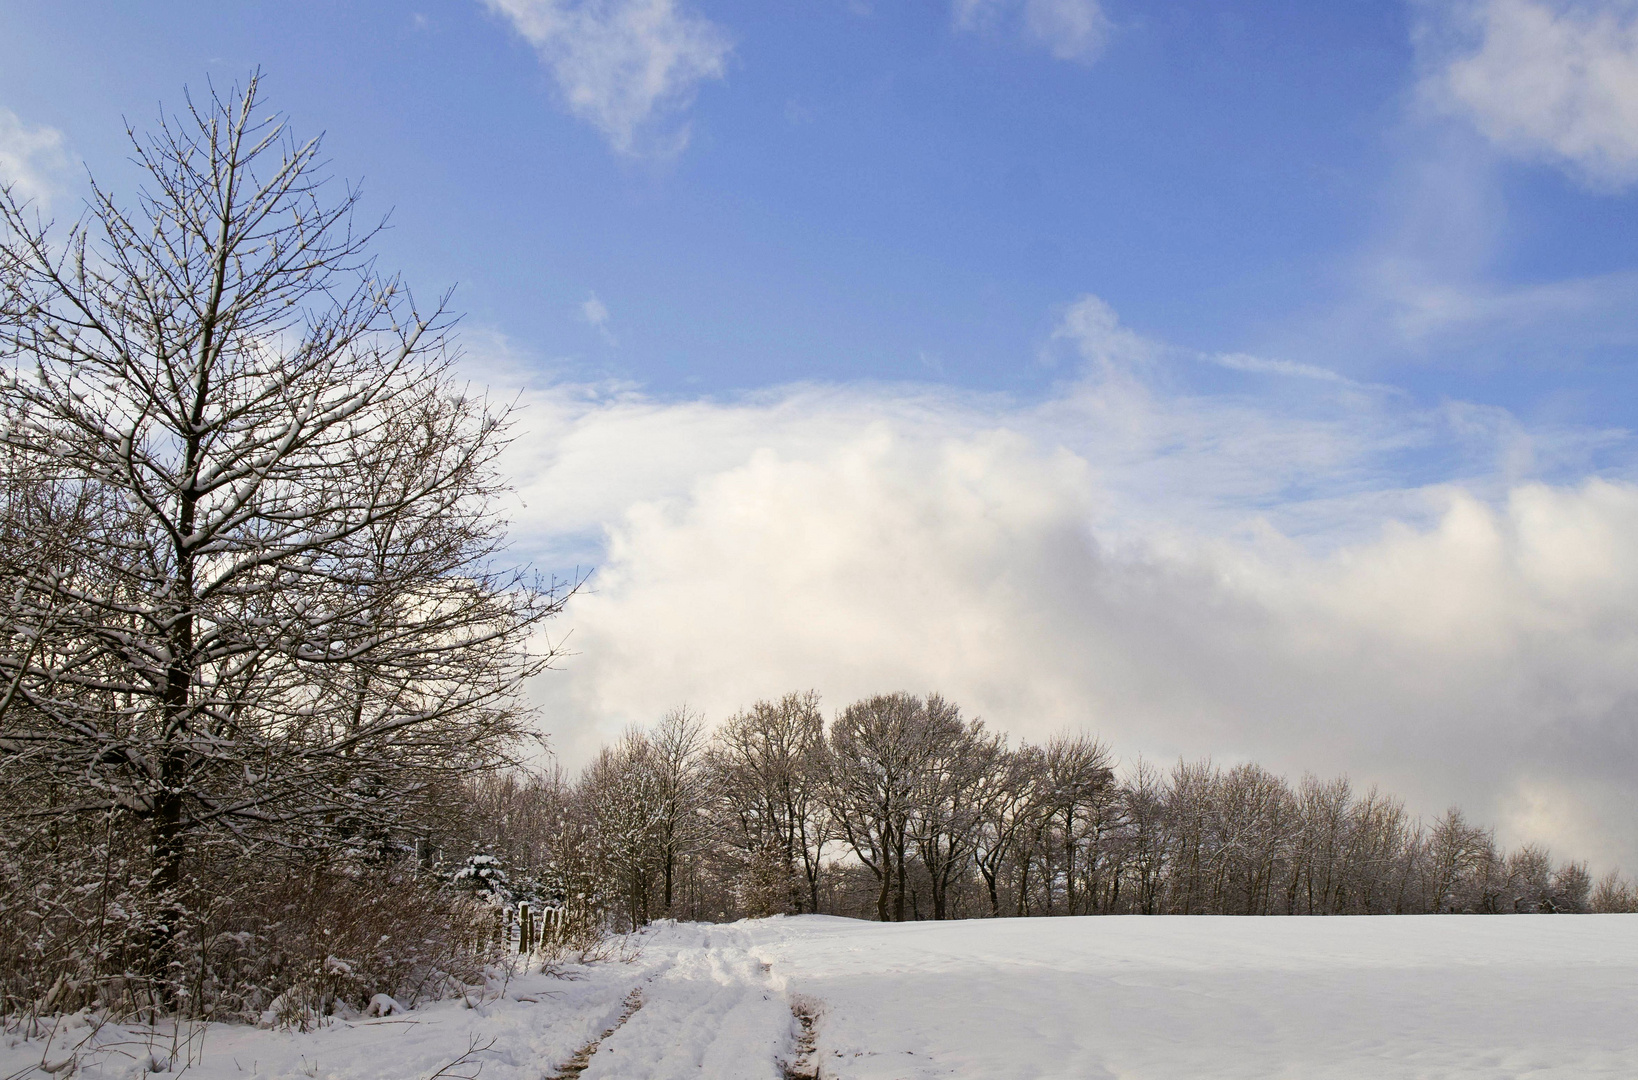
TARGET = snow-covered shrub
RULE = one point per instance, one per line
(766, 884)
(328, 942)
(484, 877)
(542, 828)
(74, 923)
(255, 938)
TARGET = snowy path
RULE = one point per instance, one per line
(1466, 998)
(710, 1009)
(576, 1065)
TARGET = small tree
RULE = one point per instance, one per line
(878, 751)
(625, 793)
(961, 765)
(485, 877)
(248, 589)
(768, 765)
(679, 748)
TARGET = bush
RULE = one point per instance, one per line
(260, 940)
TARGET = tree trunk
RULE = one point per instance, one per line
(164, 888)
(995, 898)
(898, 901)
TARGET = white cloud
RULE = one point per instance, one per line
(32, 160)
(1259, 365)
(1241, 575)
(623, 65)
(1068, 29)
(974, 14)
(596, 314)
(594, 311)
(1546, 79)
(1433, 281)
(1094, 328)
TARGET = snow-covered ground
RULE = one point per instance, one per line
(1163, 998)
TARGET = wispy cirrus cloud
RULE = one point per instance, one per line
(1437, 279)
(1076, 30)
(596, 315)
(627, 67)
(32, 159)
(1555, 80)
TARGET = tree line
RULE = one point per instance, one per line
(900, 808)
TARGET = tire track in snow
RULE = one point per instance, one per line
(576, 1065)
(804, 1062)
(711, 1008)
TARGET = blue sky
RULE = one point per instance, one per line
(1252, 380)
(880, 191)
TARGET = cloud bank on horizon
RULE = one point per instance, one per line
(1244, 574)
(1188, 552)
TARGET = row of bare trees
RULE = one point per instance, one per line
(899, 808)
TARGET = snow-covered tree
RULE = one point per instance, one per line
(625, 795)
(767, 765)
(247, 584)
(679, 744)
(484, 876)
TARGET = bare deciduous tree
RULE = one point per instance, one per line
(879, 747)
(1614, 894)
(1003, 799)
(769, 765)
(249, 592)
(679, 747)
(626, 796)
(958, 769)
(1076, 781)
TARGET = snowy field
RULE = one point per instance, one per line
(1167, 998)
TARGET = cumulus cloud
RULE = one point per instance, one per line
(1546, 79)
(31, 159)
(624, 66)
(1074, 30)
(1241, 574)
(1487, 659)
